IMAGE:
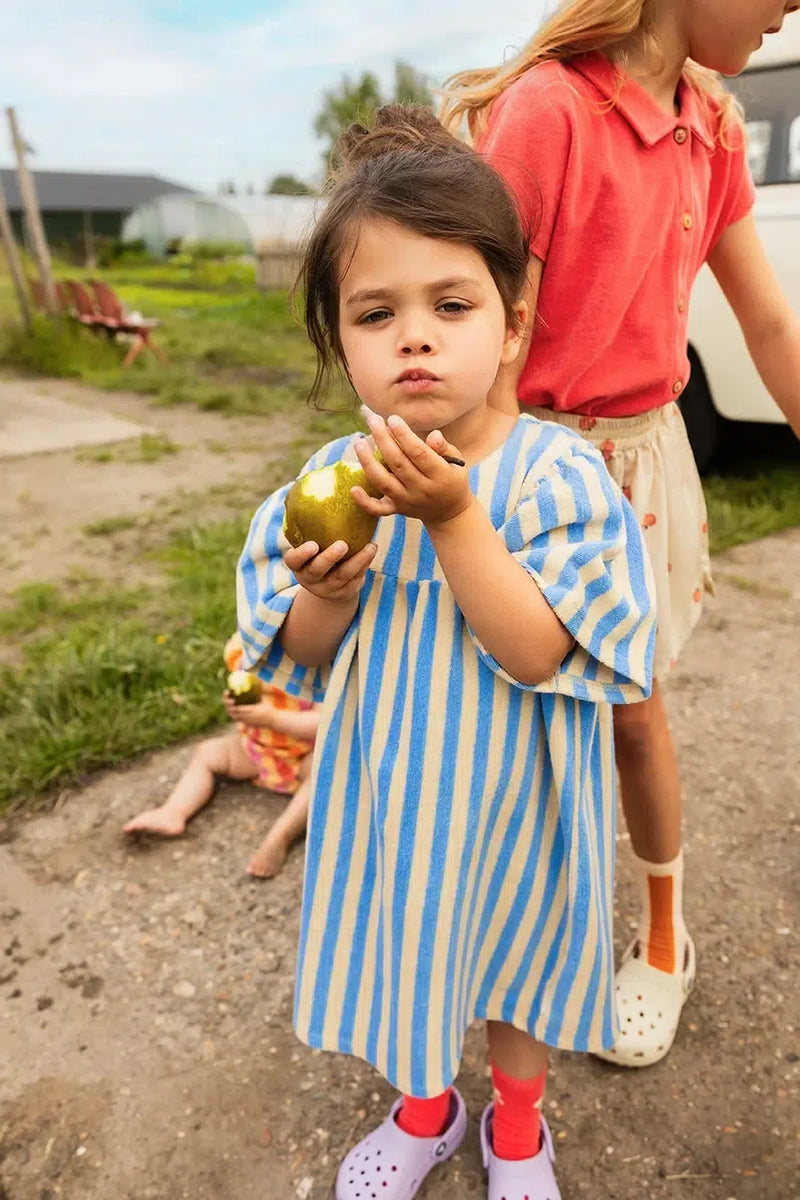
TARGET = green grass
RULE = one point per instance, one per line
(149, 448)
(108, 525)
(752, 503)
(230, 347)
(112, 674)
(107, 673)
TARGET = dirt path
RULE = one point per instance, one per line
(145, 990)
(47, 500)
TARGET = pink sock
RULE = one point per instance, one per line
(425, 1118)
(517, 1115)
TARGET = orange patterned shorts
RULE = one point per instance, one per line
(278, 767)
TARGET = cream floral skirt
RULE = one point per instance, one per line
(649, 456)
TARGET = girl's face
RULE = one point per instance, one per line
(722, 34)
(422, 325)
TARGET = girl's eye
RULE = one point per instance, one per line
(375, 317)
(455, 307)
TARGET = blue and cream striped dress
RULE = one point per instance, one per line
(460, 853)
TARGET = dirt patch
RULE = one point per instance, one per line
(145, 1002)
(48, 500)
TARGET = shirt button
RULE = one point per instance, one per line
(687, 221)
(680, 135)
(677, 386)
(681, 304)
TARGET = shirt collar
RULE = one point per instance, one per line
(638, 107)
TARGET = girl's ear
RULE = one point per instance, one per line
(516, 334)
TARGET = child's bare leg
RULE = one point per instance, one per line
(224, 756)
(271, 855)
(516, 1052)
(649, 780)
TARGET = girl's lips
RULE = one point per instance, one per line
(416, 380)
(415, 384)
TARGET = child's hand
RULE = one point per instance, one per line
(417, 481)
(258, 716)
(325, 575)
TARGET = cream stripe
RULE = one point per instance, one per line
(513, 785)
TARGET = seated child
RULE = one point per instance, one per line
(271, 747)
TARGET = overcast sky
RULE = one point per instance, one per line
(177, 88)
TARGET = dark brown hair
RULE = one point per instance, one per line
(410, 170)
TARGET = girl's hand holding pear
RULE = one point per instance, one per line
(329, 574)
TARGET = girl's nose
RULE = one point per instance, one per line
(416, 346)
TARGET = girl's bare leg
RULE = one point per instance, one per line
(224, 756)
(649, 781)
(271, 855)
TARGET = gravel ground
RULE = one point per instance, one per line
(146, 1050)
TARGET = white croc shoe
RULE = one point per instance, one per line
(649, 1006)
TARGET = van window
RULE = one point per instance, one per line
(759, 139)
(794, 149)
(771, 101)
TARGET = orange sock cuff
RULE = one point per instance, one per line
(662, 930)
(425, 1118)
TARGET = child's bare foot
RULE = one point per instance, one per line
(268, 859)
(156, 820)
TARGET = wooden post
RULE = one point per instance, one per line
(14, 263)
(90, 262)
(33, 219)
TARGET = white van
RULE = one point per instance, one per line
(724, 383)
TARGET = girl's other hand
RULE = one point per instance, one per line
(325, 574)
(258, 716)
(416, 481)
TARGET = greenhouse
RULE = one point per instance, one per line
(256, 223)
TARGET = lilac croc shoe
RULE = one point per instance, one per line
(526, 1179)
(391, 1165)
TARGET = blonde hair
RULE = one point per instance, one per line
(578, 27)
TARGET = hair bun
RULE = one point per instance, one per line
(395, 127)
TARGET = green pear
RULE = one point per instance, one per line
(244, 687)
(320, 508)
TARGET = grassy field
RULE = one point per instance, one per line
(102, 675)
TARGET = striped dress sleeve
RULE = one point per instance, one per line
(265, 589)
(577, 536)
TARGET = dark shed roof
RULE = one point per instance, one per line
(58, 191)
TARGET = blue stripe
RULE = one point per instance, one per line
(426, 562)
(406, 837)
(581, 723)
(318, 819)
(468, 977)
(367, 714)
(445, 801)
(385, 771)
(394, 555)
(475, 801)
(555, 865)
(505, 940)
(604, 949)
(341, 874)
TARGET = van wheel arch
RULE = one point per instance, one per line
(704, 424)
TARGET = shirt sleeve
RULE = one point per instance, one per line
(265, 591)
(732, 182)
(578, 537)
(528, 142)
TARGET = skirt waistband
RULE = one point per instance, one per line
(623, 431)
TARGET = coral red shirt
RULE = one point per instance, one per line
(625, 202)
